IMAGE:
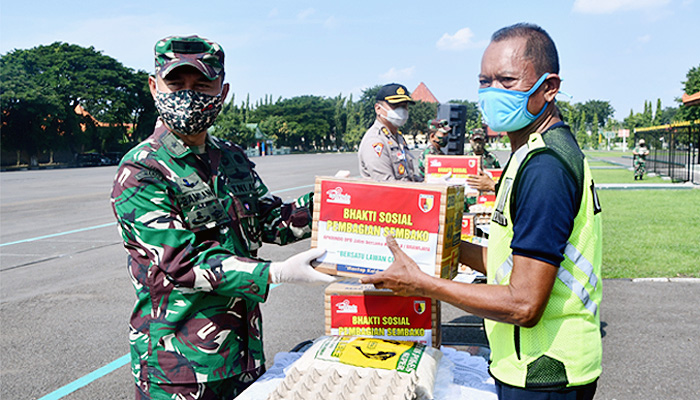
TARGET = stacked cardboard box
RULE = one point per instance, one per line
(357, 309)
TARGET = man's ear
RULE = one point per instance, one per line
(152, 85)
(224, 91)
(552, 85)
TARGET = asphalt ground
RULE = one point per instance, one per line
(65, 296)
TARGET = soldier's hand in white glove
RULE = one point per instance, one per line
(298, 269)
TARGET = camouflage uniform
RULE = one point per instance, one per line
(488, 160)
(191, 225)
(430, 150)
(640, 161)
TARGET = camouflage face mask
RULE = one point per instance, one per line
(188, 112)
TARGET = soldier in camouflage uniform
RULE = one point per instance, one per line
(438, 129)
(192, 212)
(639, 155)
(481, 182)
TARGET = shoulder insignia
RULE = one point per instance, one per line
(378, 147)
(173, 144)
(148, 174)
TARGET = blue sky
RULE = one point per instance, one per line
(622, 51)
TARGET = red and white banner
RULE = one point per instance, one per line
(386, 317)
(355, 218)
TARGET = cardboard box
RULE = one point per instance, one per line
(353, 217)
(468, 229)
(362, 310)
(437, 167)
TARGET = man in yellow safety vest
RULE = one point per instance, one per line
(543, 261)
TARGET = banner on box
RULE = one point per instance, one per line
(353, 226)
(458, 167)
(386, 317)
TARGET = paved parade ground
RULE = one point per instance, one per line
(65, 296)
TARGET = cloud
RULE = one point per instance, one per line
(331, 22)
(273, 13)
(644, 39)
(306, 13)
(462, 39)
(611, 6)
(394, 74)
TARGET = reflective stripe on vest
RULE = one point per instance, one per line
(563, 275)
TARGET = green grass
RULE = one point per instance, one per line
(622, 175)
(605, 153)
(651, 233)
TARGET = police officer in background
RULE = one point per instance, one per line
(192, 212)
(383, 153)
(438, 129)
(543, 261)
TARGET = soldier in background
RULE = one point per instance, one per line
(478, 148)
(639, 155)
(482, 182)
(383, 153)
(192, 212)
(438, 129)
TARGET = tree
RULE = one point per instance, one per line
(598, 112)
(366, 106)
(418, 116)
(41, 87)
(229, 125)
(691, 86)
(309, 121)
(353, 125)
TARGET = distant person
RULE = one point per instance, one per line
(482, 181)
(543, 260)
(383, 153)
(193, 212)
(438, 131)
(639, 155)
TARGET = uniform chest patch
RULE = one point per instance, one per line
(378, 147)
(402, 169)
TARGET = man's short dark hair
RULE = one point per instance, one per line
(539, 48)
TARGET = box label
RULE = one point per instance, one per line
(355, 218)
(386, 317)
(457, 166)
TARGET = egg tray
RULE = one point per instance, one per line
(323, 384)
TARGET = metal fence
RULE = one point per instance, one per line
(674, 150)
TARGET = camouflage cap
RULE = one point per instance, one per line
(441, 125)
(477, 133)
(176, 51)
(394, 93)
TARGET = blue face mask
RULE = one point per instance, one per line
(506, 110)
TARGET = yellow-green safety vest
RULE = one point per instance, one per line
(564, 349)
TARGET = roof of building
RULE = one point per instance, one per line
(422, 93)
(691, 100)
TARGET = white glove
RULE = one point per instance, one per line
(298, 269)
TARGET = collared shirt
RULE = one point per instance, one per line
(191, 225)
(386, 157)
